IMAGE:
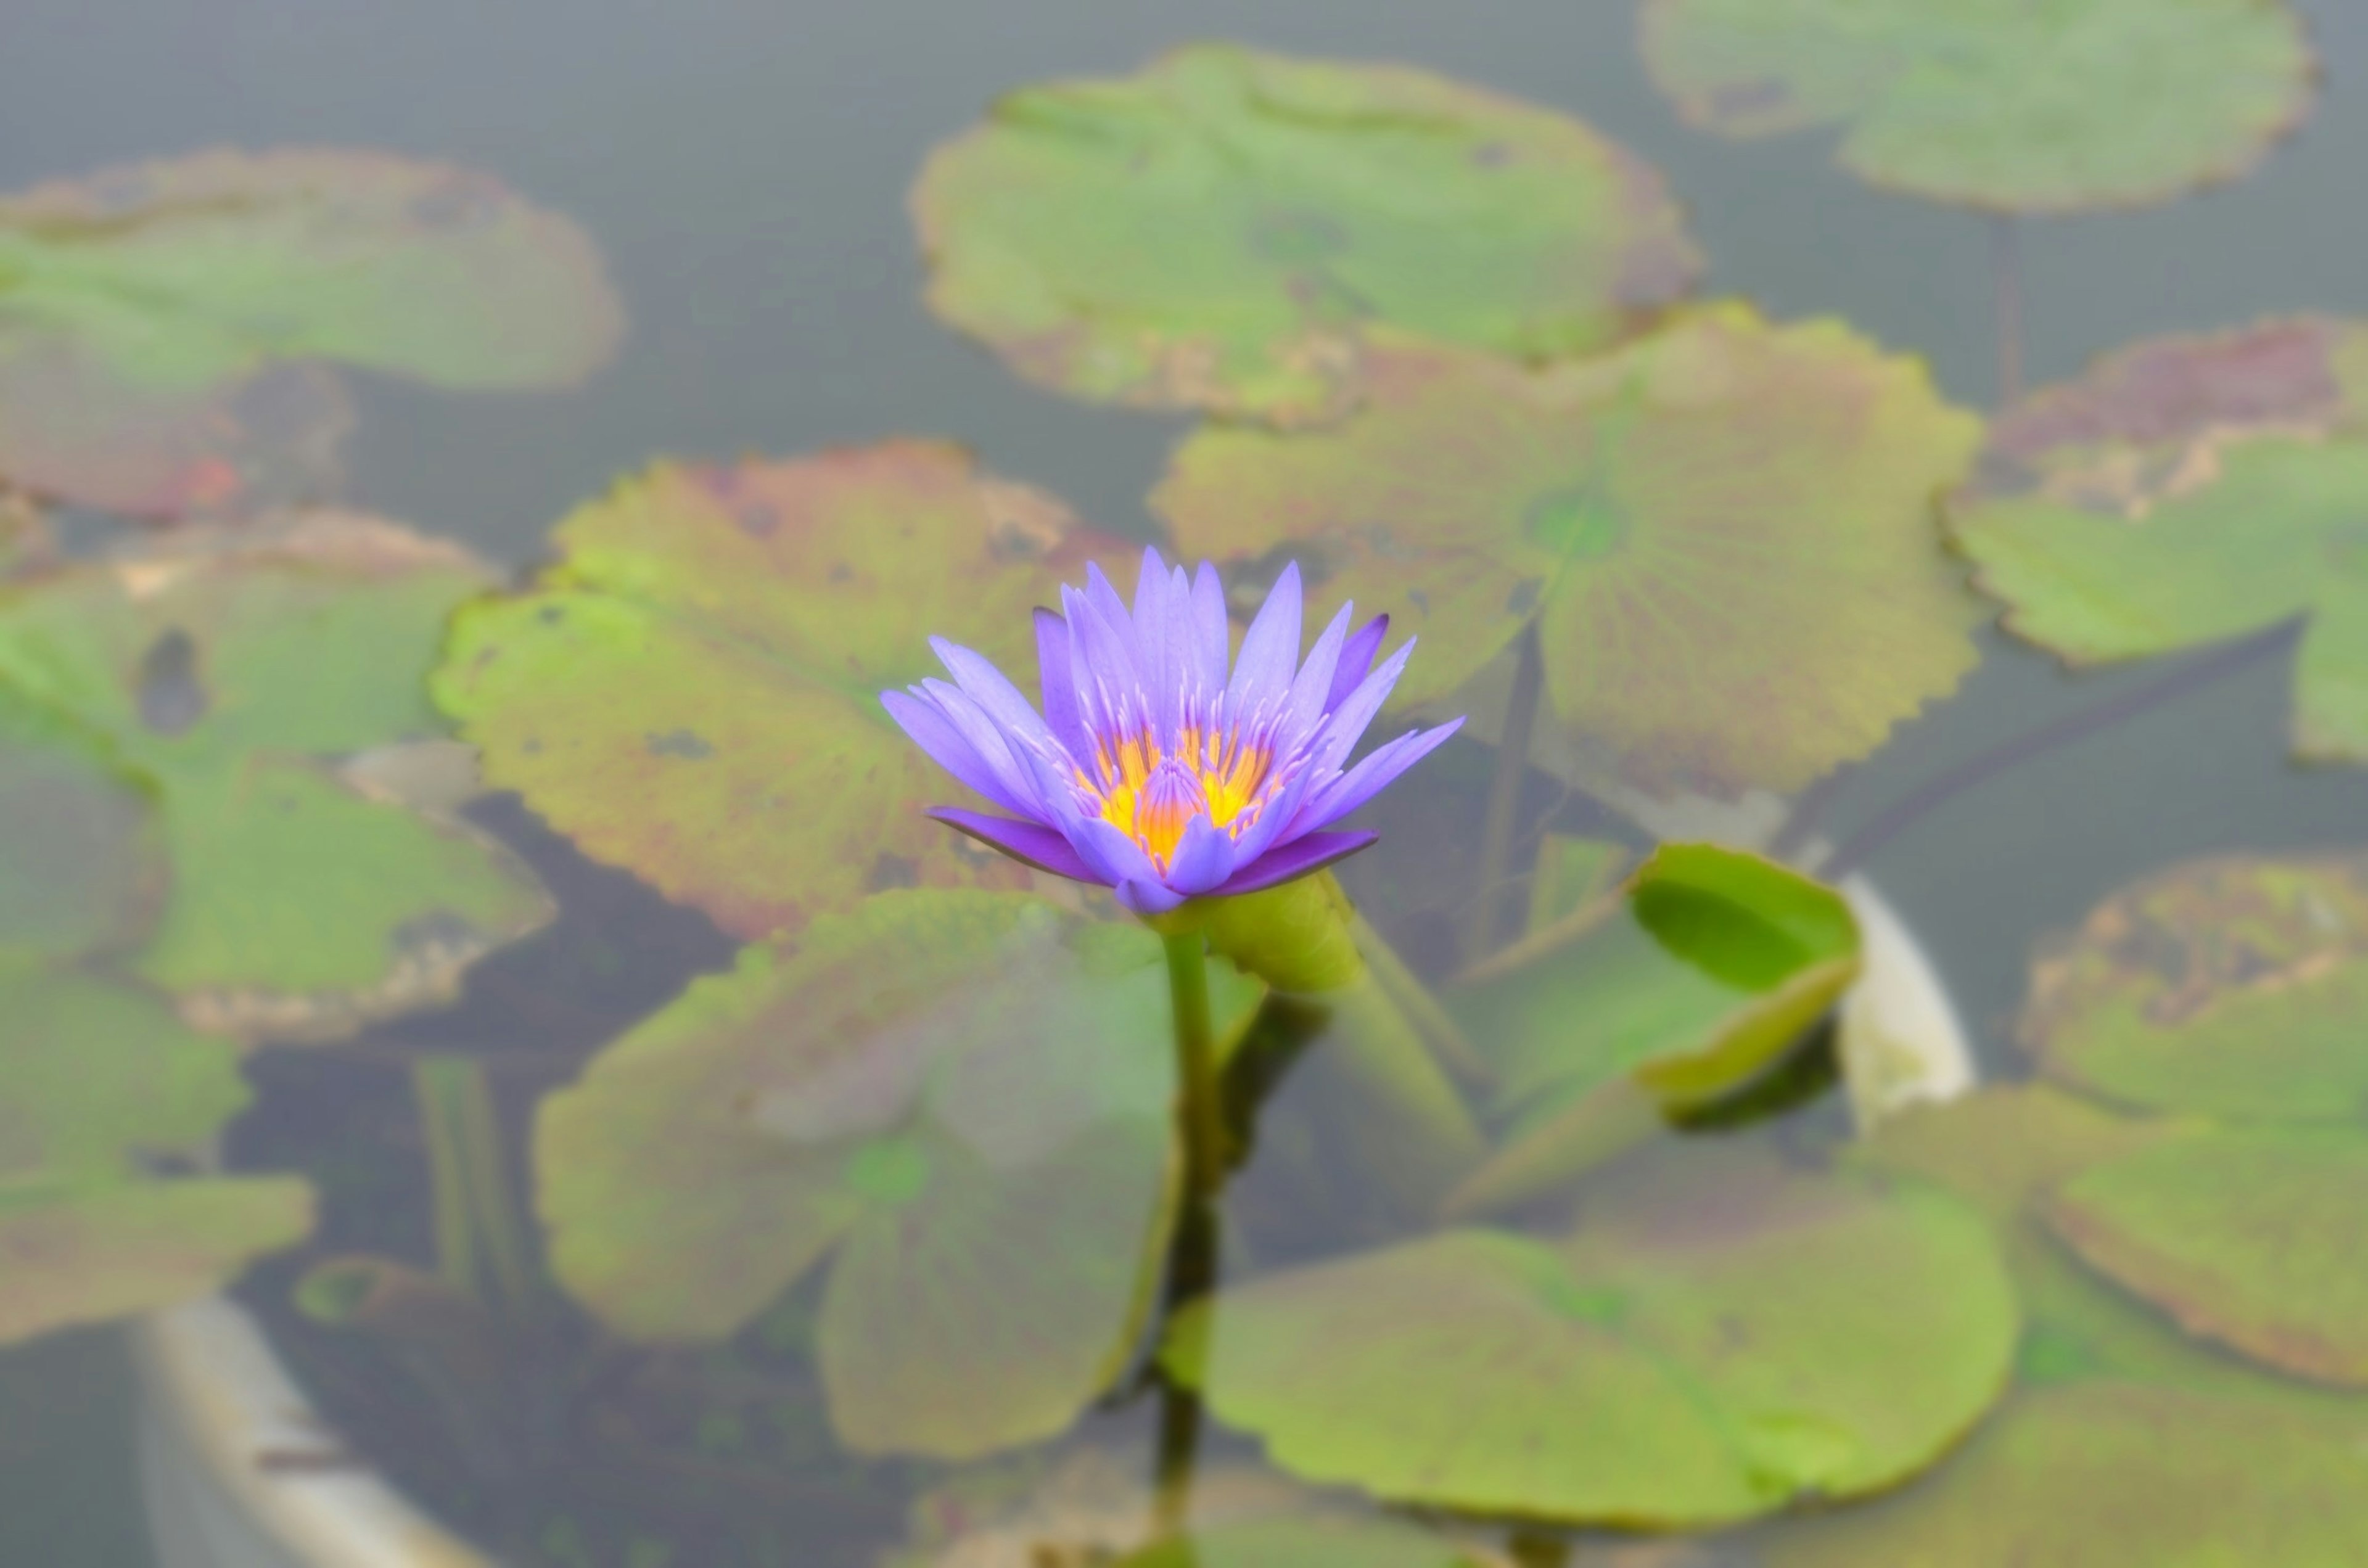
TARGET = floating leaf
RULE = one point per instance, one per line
(2189, 490)
(1718, 964)
(98, 1082)
(141, 308)
(1997, 103)
(1722, 1336)
(1309, 1540)
(81, 863)
(2254, 1237)
(2233, 986)
(1220, 231)
(219, 667)
(960, 1099)
(1722, 533)
(693, 692)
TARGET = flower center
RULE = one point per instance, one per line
(1152, 794)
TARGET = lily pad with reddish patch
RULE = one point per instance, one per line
(1722, 1336)
(99, 1085)
(1995, 103)
(1722, 534)
(1223, 229)
(957, 1102)
(143, 310)
(693, 692)
(2188, 491)
(227, 672)
(2234, 985)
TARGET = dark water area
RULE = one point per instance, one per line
(744, 171)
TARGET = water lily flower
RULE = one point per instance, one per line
(1153, 768)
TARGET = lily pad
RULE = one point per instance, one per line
(1723, 535)
(82, 864)
(2233, 986)
(1309, 1540)
(1223, 229)
(693, 692)
(1995, 103)
(2253, 1236)
(142, 309)
(99, 1084)
(1718, 963)
(1723, 1336)
(223, 670)
(2186, 490)
(958, 1101)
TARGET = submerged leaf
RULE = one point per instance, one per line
(959, 1098)
(1722, 1336)
(222, 669)
(1723, 535)
(1222, 230)
(693, 692)
(1998, 103)
(82, 865)
(2186, 490)
(2232, 986)
(140, 307)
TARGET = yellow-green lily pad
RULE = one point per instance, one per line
(693, 692)
(1723, 1336)
(2186, 490)
(226, 672)
(142, 307)
(1222, 230)
(956, 1101)
(1998, 104)
(1722, 533)
(1714, 968)
(2234, 985)
(82, 864)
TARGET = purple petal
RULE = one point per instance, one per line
(1203, 857)
(1296, 858)
(1356, 660)
(936, 735)
(1113, 855)
(1273, 819)
(991, 745)
(1147, 896)
(1212, 637)
(1113, 610)
(1030, 843)
(1372, 776)
(1060, 687)
(1102, 669)
(1309, 689)
(1338, 736)
(992, 691)
(1154, 646)
(1271, 651)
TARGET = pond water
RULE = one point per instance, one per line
(653, 1143)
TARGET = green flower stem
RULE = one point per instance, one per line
(481, 1238)
(1196, 1065)
(1485, 917)
(1191, 1272)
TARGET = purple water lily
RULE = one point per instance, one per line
(1151, 769)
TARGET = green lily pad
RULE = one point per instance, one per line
(2189, 490)
(1723, 534)
(2252, 1236)
(82, 864)
(2233, 986)
(223, 670)
(1995, 103)
(958, 1100)
(1308, 1540)
(1723, 1336)
(98, 1083)
(693, 693)
(1715, 967)
(141, 308)
(1223, 229)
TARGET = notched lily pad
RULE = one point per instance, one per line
(2255, 1237)
(2189, 490)
(957, 1101)
(1723, 1336)
(149, 315)
(2234, 985)
(693, 692)
(1996, 103)
(224, 671)
(1713, 970)
(1223, 229)
(1723, 535)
